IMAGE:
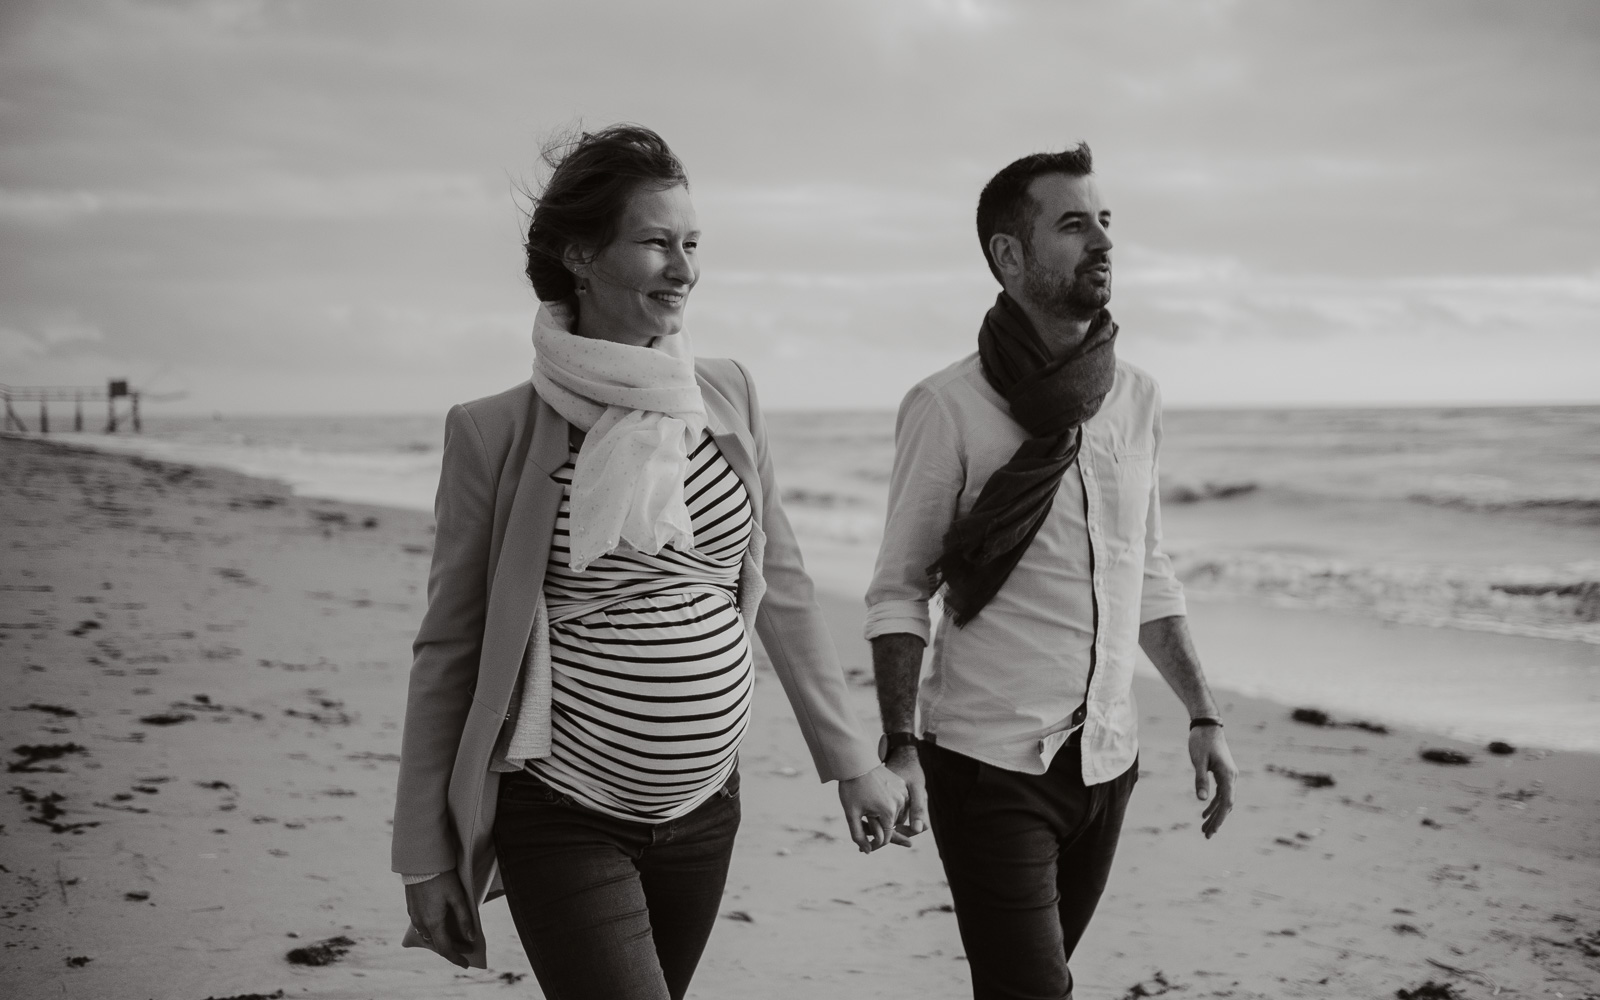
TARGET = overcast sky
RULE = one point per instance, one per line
(309, 205)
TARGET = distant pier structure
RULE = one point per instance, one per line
(115, 389)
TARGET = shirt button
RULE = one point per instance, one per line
(1079, 715)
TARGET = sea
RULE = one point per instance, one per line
(1472, 535)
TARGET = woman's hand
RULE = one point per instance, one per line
(872, 802)
(442, 916)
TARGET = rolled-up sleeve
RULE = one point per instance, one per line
(924, 490)
(1162, 595)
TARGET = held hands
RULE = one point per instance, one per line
(442, 916)
(872, 804)
(1208, 752)
(913, 819)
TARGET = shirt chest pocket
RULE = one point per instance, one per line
(1127, 493)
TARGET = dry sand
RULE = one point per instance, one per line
(221, 667)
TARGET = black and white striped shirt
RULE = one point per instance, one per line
(651, 668)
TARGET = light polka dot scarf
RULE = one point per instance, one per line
(643, 413)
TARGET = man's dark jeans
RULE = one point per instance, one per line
(607, 908)
(1027, 857)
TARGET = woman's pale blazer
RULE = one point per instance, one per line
(496, 514)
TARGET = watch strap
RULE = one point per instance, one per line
(890, 742)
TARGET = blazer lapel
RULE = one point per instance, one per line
(519, 573)
(530, 526)
(734, 441)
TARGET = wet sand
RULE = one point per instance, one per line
(208, 676)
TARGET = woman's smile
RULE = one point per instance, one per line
(637, 286)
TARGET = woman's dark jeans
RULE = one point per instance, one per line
(1027, 857)
(607, 908)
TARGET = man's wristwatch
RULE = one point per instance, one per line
(888, 743)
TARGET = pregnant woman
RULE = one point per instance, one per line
(608, 532)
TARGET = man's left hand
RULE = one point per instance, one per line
(1208, 752)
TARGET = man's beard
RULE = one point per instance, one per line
(1073, 297)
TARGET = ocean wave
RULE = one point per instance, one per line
(1561, 602)
(1180, 492)
(877, 475)
(825, 499)
(859, 528)
(1584, 510)
(398, 477)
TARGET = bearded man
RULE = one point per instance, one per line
(1025, 495)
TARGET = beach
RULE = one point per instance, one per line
(206, 677)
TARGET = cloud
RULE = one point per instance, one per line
(859, 282)
(70, 330)
(311, 202)
(60, 335)
(896, 19)
(278, 196)
(1177, 173)
(829, 205)
(17, 347)
(1223, 298)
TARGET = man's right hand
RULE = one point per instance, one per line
(896, 665)
(913, 819)
(442, 915)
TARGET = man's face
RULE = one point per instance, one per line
(1067, 262)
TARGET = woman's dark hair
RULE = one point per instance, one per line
(1005, 206)
(592, 177)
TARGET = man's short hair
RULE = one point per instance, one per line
(1005, 205)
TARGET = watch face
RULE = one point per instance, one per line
(888, 741)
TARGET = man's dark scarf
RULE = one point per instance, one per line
(1050, 397)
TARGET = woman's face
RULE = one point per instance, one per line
(637, 287)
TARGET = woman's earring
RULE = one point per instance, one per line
(583, 286)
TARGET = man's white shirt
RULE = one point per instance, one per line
(1004, 688)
